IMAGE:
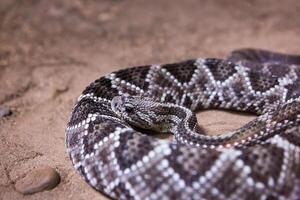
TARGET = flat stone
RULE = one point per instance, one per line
(37, 180)
(4, 111)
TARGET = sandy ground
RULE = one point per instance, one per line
(51, 50)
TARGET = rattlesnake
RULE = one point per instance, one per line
(260, 160)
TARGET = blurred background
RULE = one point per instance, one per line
(51, 50)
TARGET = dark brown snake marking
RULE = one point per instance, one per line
(261, 160)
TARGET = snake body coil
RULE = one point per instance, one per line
(260, 160)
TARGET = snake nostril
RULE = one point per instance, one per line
(115, 104)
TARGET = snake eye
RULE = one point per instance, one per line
(129, 108)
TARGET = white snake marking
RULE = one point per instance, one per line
(260, 160)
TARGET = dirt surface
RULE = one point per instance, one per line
(51, 50)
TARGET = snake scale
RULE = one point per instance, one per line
(108, 145)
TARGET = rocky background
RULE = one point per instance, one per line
(51, 50)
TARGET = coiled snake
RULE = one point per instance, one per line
(260, 160)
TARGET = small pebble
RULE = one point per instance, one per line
(4, 111)
(37, 180)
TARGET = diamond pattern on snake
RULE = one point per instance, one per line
(260, 160)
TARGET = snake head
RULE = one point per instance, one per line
(122, 105)
(137, 111)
